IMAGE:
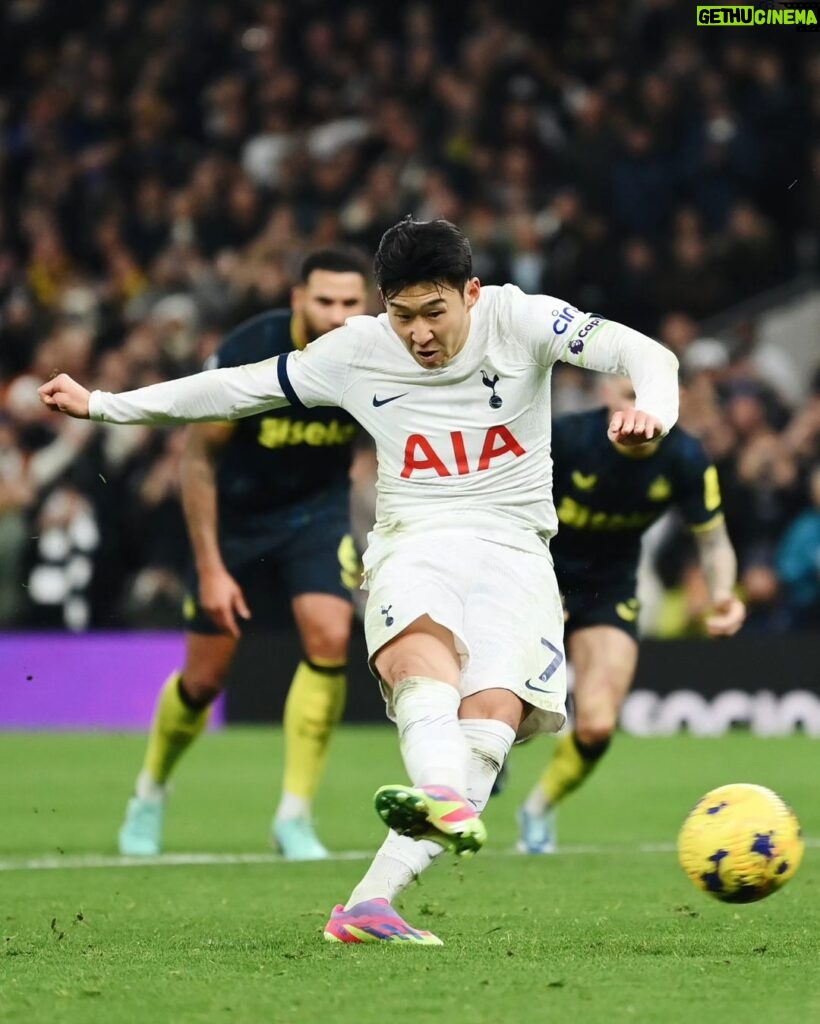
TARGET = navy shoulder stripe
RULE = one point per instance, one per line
(284, 382)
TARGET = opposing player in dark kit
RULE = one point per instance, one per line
(606, 497)
(266, 503)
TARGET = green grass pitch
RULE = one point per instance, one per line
(610, 930)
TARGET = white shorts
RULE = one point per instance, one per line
(500, 603)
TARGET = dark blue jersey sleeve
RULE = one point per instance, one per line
(697, 489)
(261, 337)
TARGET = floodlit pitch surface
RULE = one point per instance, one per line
(609, 930)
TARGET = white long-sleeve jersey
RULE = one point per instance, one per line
(467, 443)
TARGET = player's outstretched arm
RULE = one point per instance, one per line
(220, 596)
(224, 394)
(719, 564)
(551, 331)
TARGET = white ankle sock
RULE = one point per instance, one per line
(433, 746)
(536, 803)
(400, 859)
(292, 806)
(147, 789)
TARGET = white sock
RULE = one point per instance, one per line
(147, 789)
(398, 861)
(292, 806)
(433, 746)
(401, 859)
(537, 802)
(490, 742)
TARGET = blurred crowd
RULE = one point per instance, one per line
(165, 165)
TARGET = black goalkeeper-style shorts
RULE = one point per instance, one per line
(591, 602)
(299, 549)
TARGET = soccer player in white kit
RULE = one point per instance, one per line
(463, 623)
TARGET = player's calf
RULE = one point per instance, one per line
(593, 736)
(572, 762)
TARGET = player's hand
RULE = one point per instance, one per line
(222, 599)
(727, 616)
(632, 427)
(62, 394)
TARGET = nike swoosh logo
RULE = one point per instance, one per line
(540, 689)
(383, 401)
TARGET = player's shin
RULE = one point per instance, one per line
(177, 721)
(436, 756)
(398, 862)
(490, 742)
(433, 746)
(400, 859)
(314, 706)
(571, 763)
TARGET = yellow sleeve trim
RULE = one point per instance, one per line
(298, 335)
(710, 524)
(711, 489)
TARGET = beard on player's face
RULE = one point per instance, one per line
(315, 327)
(327, 300)
(432, 320)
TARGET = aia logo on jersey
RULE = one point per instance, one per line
(419, 453)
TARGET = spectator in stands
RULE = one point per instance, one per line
(798, 560)
(162, 174)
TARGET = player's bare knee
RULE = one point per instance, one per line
(407, 666)
(595, 721)
(498, 704)
(595, 731)
(418, 654)
(202, 689)
(327, 644)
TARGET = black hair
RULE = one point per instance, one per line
(337, 261)
(415, 251)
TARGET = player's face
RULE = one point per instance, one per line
(327, 299)
(433, 320)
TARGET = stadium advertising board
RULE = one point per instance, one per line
(103, 681)
(770, 685)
